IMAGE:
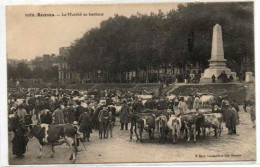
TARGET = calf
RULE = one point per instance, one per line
(55, 135)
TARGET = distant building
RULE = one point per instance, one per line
(66, 75)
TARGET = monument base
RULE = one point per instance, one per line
(206, 77)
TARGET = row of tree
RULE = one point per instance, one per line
(22, 71)
(159, 40)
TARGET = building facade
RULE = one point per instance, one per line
(66, 75)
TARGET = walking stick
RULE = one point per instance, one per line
(83, 144)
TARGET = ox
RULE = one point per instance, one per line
(55, 135)
(144, 97)
(161, 126)
(174, 124)
(192, 122)
(146, 122)
(206, 100)
(213, 120)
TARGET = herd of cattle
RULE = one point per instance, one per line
(171, 115)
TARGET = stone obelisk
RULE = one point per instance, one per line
(217, 62)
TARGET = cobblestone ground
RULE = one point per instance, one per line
(121, 149)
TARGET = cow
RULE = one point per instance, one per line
(206, 100)
(55, 135)
(171, 97)
(161, 122)
(213, 120)
(161, 126)
(174, 124)
(144, 97)
(146, 122)
(192, 122)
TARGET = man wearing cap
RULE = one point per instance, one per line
(85, 125)
(58, 116)
(70, 113)
(124, 116)
(182, 106)
(21, 112)
(231, 119)
(46, 117)
(102, 114)
(20, 139)
(250, 108)
(138, 106)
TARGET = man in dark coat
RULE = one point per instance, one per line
(138, 106)
(150, 104)
(79, 110)
(231, 120)
(124, 116)
(31, 103)
(85, 124)
(20, 139)
(58, 116)
(46, 117)
(26, 107)
(70, 114)
(161, 104)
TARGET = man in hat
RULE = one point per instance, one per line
(58, 116)
(70, 113)
(85, 123)
(138, 106)
(231, 119)
(21, 113)
(182, 106)
(251, 110)
(124, 116)
(79, 110)
(46, 117)
(20, 139)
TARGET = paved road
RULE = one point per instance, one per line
(120, 149)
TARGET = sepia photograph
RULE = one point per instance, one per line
(136, 82)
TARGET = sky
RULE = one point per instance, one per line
(28, 37)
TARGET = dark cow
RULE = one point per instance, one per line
(56, 135)
(161, 126)
(144, 121)
(192, 122)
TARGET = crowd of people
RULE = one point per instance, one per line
(96, 110)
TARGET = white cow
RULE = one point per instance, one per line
(144, 97)
(174, 124)
(170, 97)
(206, 100)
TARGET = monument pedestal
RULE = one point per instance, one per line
(216, 68)
(217, 62)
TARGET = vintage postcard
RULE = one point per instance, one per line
(131, 83)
